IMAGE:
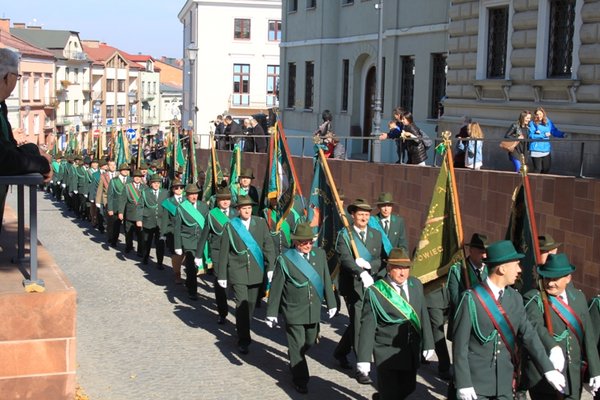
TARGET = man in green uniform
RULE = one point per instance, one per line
(391, 226)
(218, 218)
(116, 202)
(300, 284)
(489, 325)
(594, 311)
(102, 197)
(475, 269)
(569, 339)
(357, 274)
(167, 226)
(395, 329)
(84, 179)
(190, 234)
(131, 212)
(246, 255)
(153, 198)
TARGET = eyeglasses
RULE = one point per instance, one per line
(17, 75)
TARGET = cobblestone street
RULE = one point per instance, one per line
(139, 337)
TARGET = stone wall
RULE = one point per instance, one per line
(566, 208)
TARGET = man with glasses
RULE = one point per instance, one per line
(15, 159)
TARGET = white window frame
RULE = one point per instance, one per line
(543, 36)
(36, 124)
(25, 88)
(482, 37)
(36, 88)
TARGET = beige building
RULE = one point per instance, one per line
(329, 58)
(509, 55)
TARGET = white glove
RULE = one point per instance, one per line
(75, 191)
(363, 367)
(64, 185)
(366, 279)
(85, 195)
(271, 322)
(270, 275)
(364, 264)
(163, 237)
(179, 252)
(556, 379)
(594, 384)
(331, 312)
(427, 354)
(222, 283)
(557, 358)
(198, 262)
(98, 205)
(58, 182)
(467, 393)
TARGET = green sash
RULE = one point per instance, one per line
(374, 223)
(118, 186)
(360, 246)
(193, 212)
(170, 206)
(220, 218)
(146, 203)
(285, 227)
(248, 239)
(132, 193)
(569, 317)
(307, 270)
(397, 301)
(55, 166)
(499, 319)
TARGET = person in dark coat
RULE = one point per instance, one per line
(233, 132)
(413, 136)
(260, 140)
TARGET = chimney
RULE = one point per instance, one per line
(38, 27)
(19, 25)
(5, 25)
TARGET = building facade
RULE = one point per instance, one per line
(510, 55)
(232, 60)
(329, 60)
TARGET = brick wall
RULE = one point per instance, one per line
(566, 208)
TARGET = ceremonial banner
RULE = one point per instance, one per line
(235, 165)
(441, 241)
(122, 150)
(214, 175)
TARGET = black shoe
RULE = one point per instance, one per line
(221, 320)
(144, 261)
(139, 254)
(445, 375)
(301, 388)
(160, 266)
(128, 250)
(243, 349)
(375, 396)
(343, 360)
(193, 296)
(363, 379)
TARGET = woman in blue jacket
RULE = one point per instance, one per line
(541, 128)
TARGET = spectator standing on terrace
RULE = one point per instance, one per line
(542, 128)
(474, 148)
(519, 131)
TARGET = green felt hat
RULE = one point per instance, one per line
(359, 204)
(385, 198)
(176, 182)
(137, 172)
(502, 252)
(155, 178)
(303, 231)
(192, 188)
(244, 201)
(399, 257)
(478, 241)
(547, 242)
(556, 266)
(123, 166)
(247, 173)
(223, 193)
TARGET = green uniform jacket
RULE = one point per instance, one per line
(456, 282)
(116, 190)
(569, 344)
(152, 213)
(60, 175)
(236, 265)
(394, 346)
(280, 242)
(188, 234)
(396, 232)
(216, 230)
(350, 272)
(293, 294)
(95, 181)
(131, 208)
(167, 223)
(84, 179)
(486, 365)
(595, 317)
(71, 177)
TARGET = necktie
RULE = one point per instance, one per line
(386, 226)
(362, 235)
(156, 194)
(306, 256)
(500, 293)
(478, 273)
(403, 292)
(179, 199)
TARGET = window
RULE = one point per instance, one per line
(110, 111)
(293, 5)
(560, 41)
(408, 82)
(438, 85)
(36, 124)
(497, 42)
(345, 80)
(241, 29)
(75, 107)
(36, 88)
(121, 111)
(291, 86)
(110, 85)
(121, 85)
(67, 73)
(47, 90)
(311, 4)
(67, 108)
(76, 76)
(309, 82)
(274, 31)
(241, 85)
(25, 88)
(272, 85)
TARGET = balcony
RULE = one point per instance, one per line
(148, 95)
(149, 121)
(87, 119)
(63, 121)
(97, 95)
(75, 55)
(51, 102)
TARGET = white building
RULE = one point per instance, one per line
(232, 59)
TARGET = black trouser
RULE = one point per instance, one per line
(191, 279)
(541, 165)
(245, 302)
(349, 339)
(148, 236)
(299, 339)
(402, 151)
(393, 384)
(57, 191)
(113, 228)
(221, 299)
(130, 230)
(83, 205)
(436, 317)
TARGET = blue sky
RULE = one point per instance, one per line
(135, 26)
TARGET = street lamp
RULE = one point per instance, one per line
(96, 111)
(192, 53)
(376, 150)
